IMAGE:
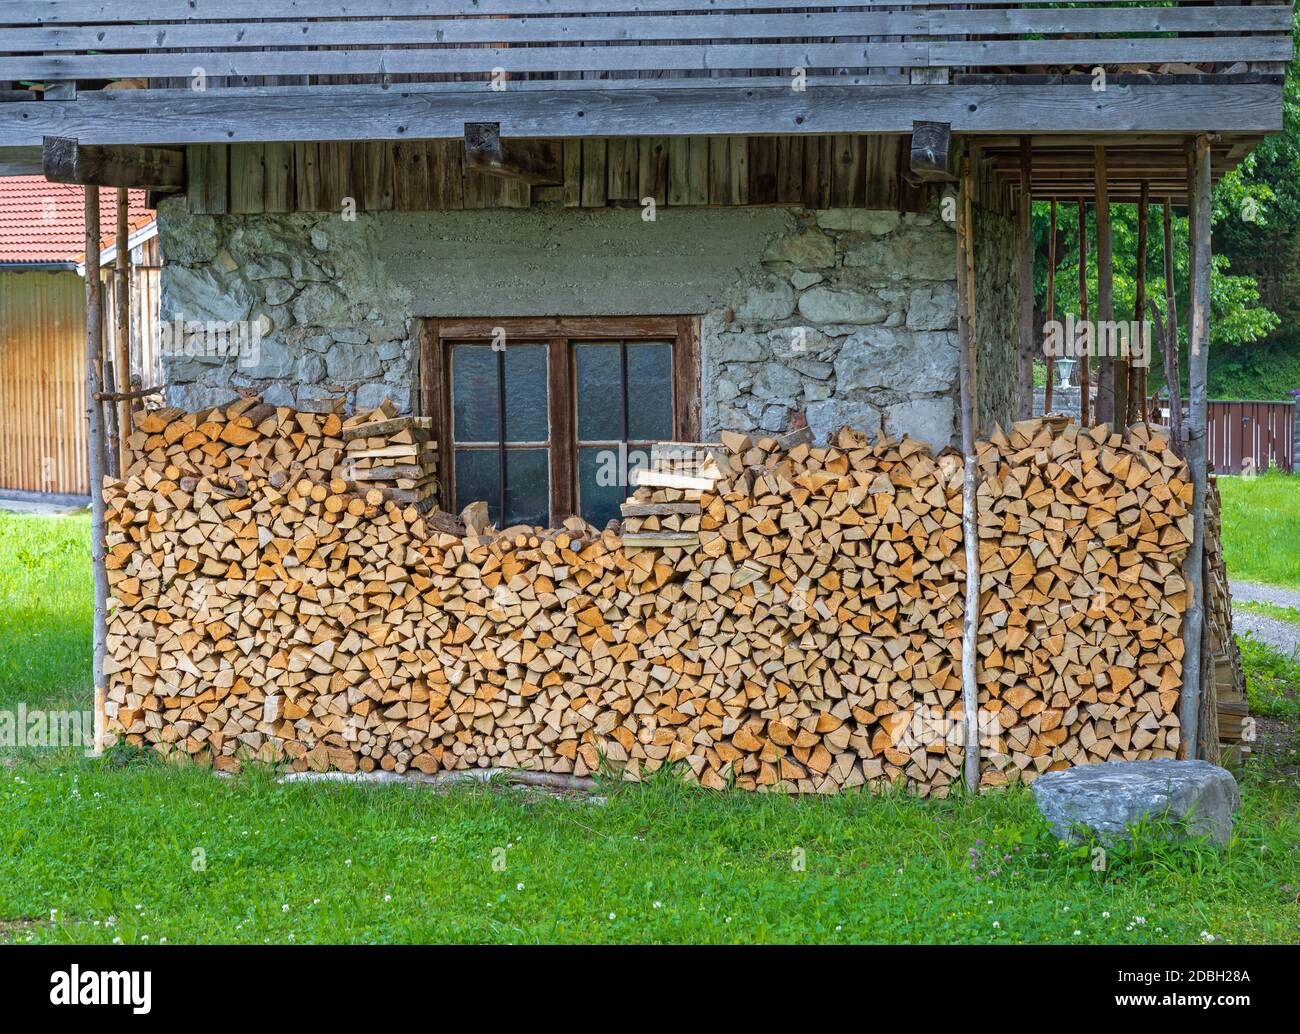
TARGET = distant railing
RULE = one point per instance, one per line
(203, 44)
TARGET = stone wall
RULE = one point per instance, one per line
(846, 315)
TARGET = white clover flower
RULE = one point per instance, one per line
(658, 904)
(997, 925)
(519, 886)
(611, 915)
(284, 908)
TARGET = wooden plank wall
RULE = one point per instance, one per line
(429, 175)
(42, 382)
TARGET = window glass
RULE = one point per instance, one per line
(475, 403)
(526, 387)
(600, 392)
(649, 391)
(477, 478)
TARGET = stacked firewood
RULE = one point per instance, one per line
(392, 455)
(1082, 537)
(775, 615)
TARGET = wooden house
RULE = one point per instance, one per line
(43, 326)
(559, 227)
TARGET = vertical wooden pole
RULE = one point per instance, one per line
(1025, 231)
(1051, 307)
(95, 447)
(967, 359)
(122, 337)
(1135, 407)
(1085, 364)
(1170, 354)
(1106, 365)
(1197, 364)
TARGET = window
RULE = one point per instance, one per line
(544, 418)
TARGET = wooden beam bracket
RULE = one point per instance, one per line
(535, 162)
(932, 158)
(66, 160)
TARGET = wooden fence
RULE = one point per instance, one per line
(1246, 436)
(43, 382)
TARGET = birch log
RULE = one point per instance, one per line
(122, 337)
(95, 448)
(967, 351)
(1197, 363)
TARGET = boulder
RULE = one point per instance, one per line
(1109, 798)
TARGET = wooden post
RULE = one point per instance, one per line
(967, 353)
(1197, 363)
(1170, 353)
(1051, 307)
(122, 336)
(1107, 377)
(1135, 406)
(95, 448)
(1085, 372)
(1025, 230)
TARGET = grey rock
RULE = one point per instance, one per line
(825, 418)
(928, 420)
(188, 240)
(857, 220)
(809, 248)
(813, 368)
(371, 395)
(272, 359)
(265, 267)
(802, 280)
(776, 381)
(321, 305)
(840, 305)
(349, 363)
(933, 307)
(1111, 797)
(725, 390)
(277, 395)
(201, 293)
(311, 368)
(318, 342)
(814, 391)
(773, 299)
(774, 418)
(738, 348)
(886, 357)
(919, 254)
(390, 350)
(351, 336)
(279, 291)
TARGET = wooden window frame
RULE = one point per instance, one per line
(558, 333)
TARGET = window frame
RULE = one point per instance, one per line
(559, 334)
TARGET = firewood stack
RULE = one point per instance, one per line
(776, 615)
(392, 455)
(1082, 537)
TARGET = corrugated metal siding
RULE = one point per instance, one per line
(43, 382)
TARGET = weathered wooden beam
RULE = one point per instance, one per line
(1197, 365)
(95, 464)
(1106, 365)
(122, 277)
(67, 160)
(1135, 406)
(535, 162)
(933, 159)
(1170, 353)
(428, 112)
(967, 352)
(1051, 308)
(1085, 372)
(1025, 288)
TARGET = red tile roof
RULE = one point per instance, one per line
(44, 222)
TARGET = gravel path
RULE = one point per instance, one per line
(1281, 635)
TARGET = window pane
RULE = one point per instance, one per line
(526, 393)
(474, 393)
(603, 475)
(649, 390)
(528, 487)
(600, 392)
(476, 478)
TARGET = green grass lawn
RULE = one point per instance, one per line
(129, 847)
(1261, 528)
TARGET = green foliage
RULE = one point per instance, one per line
(1272, 680)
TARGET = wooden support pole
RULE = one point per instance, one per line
(968, 371)
(122, 328)
(95, 448)
(1051, 307)
(1170, 348)
(1025, 233)
(1085, 372)
(1197, 364)
(1106, 365)
(1135, 406)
